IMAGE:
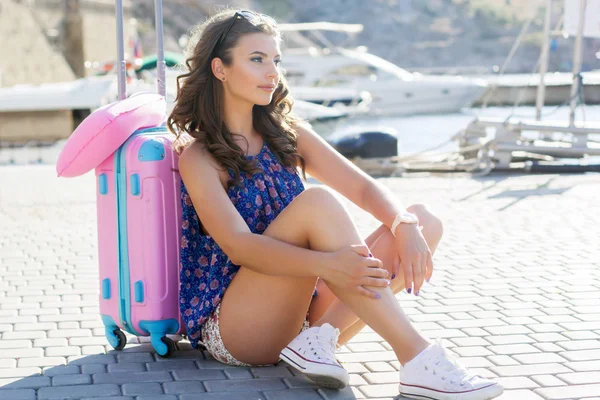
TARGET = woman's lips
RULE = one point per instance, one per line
(268, 88)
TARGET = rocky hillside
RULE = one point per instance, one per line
(415, 34)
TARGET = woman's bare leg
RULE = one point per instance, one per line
(261, 314)
(327, 308)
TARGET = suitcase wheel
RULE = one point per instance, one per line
(165, 348)
(122, 339)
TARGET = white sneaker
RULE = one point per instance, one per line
(436, 374)
(312, 352)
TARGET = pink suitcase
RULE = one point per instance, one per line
(139, 221)
(139, 226)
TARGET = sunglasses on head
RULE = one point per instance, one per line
(250, 16)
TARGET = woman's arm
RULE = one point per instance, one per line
(329, 167)
(229, 230)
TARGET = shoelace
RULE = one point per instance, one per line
(450, 365)
(327, 345)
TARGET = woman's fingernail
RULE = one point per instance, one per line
(418, 291)
(389, 282)
(378, 296)
(409, 290)
(393, 276)
(370, 255)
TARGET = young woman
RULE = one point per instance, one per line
(270, 270)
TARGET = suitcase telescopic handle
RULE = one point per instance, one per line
(160, 62)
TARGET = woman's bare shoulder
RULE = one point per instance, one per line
(196, 159)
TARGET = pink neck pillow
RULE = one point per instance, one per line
(106, 129)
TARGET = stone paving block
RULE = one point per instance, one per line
(61, 370)
(22, 353)
(547, 380)
(77, 392)
(469, 341)
(529, 370)
(93, 368)
(475, 362)
(41, 361)
(69, 333)
(372, 366)
(472, 351)
(94, 359)
(385, 390)
(201, 375)
(510, 349)
(62, 351)
(548, 347)
(34, 382)
(249, 395)
(580, 335)
(271, 372)
(17, 394)
(88, 341)
(158, 397)
(14, 344)
(545, 328)
(134, 357)
(382, 377)
(348, 393)
(519, 394)
(64, 380)
(121, 378)
(293, 394)
(126, 367)
(579, 344)
(111, 398)
(364, 347)
(181, 387)
(147, 388)
(19, 372)
(244, 384)
(507, 330)
(60, 342)
(8, 363)
(581, 355)
(91, 350)
(578, 378)
(517, 382)
(569, 392)
(241, 373)
(171, 365)
(302, 381)
(362, 357)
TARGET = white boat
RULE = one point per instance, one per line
(394, 91)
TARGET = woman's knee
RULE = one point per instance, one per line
(320, 196)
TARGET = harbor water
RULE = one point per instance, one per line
(415, 133)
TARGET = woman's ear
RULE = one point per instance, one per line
(217, 68)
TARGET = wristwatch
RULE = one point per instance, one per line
(404, 218)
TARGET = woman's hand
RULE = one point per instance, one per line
(414, 257)
(353, 268)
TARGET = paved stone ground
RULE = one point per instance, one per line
(515, 293)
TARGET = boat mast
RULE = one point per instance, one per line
(541, 92)
(577, 56)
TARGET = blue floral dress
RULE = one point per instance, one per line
(205, 270)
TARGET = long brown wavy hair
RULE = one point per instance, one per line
(198, 110)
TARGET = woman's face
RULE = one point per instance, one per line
(254, 73)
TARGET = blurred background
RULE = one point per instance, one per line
(419, 70)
